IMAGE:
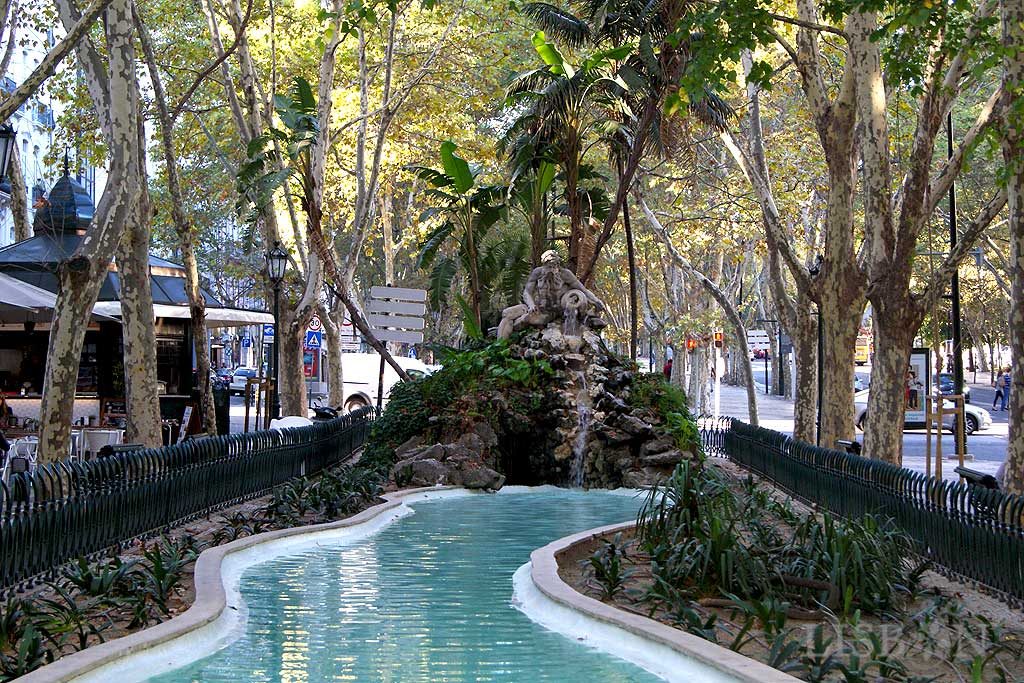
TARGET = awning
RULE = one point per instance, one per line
(16, 294)
(215, 317)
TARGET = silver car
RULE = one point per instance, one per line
(975, 418)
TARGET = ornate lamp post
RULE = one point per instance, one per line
(277, 264)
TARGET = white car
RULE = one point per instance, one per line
(975, 418)
(361, 372)
(239, 378)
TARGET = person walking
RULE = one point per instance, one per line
(1005, 382)
(999, 394)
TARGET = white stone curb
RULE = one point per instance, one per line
(544, 572)
(210, 598)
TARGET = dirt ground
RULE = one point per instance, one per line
(947, 658)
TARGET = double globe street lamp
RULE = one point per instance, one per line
(277, 266)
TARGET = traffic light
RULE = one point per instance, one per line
(719, 339)
(691, 344)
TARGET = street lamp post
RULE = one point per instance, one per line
(277, 264)
(958, 357)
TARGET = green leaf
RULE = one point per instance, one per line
(545, 177)
(473, 330)
(550, 55)
(456, 167)
(440, 282)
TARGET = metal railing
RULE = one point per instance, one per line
(66, 510)
(965, 529)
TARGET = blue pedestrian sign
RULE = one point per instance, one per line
(268, 331)
(314, 339)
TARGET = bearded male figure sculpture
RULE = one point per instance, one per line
(552, 292)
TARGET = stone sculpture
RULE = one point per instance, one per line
(552, 294)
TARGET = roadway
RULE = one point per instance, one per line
(988, 447)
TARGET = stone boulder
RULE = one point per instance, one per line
(427, 472)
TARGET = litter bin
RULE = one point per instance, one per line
(222, 408)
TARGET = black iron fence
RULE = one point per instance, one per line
(65, 510)
(974, 532)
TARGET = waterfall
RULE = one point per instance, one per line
(571, 324)
(584, 415)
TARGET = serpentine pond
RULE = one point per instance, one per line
(427, 598)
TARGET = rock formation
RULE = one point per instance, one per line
(592, 431)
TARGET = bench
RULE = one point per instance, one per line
(851, 447)
(976, 478)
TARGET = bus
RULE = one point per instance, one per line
(862, 353)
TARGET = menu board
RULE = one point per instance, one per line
(112, 409)
(186, 418)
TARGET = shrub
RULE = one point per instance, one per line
(465, 373)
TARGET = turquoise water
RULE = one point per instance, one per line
(425, 600)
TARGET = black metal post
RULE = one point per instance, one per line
(766, 384)
(782, 373)
(958, 358)
(821, 375)
(275, 411)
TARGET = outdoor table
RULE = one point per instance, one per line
(95, 439)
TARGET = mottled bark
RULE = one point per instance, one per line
(113, 89)
(19, 198)
(883, 428)
(185, 233)
(1012, 14)
(335, 372)
(138, 327)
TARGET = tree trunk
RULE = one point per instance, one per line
(19, 200)
(883, 427)
(291, 376)
(335, 371)
(79, 278)
(138, 327)
(805, 393)
(840, 327)
(387, 226)
(185, 234)
(631, 260)
(1012, 12)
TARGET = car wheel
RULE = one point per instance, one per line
(971, 424)
(355, 403)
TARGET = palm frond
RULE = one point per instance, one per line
(559, 23)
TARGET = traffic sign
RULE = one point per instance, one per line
(314, 339)
(268, 331)
(246, 342)
(757, 340)
(315, 324)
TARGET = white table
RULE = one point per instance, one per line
(95, 439)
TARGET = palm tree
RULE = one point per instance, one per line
(467, 211)
(562, 109)
(650, 59)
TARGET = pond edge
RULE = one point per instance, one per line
(544, 573)
(210, 597)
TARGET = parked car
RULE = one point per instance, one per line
(239, 379)
(858, 384)
(975, 418)
(945, 382)
(362, 373)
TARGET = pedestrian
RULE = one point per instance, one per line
(999, 394)
(1006, 387)
(667, 370)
